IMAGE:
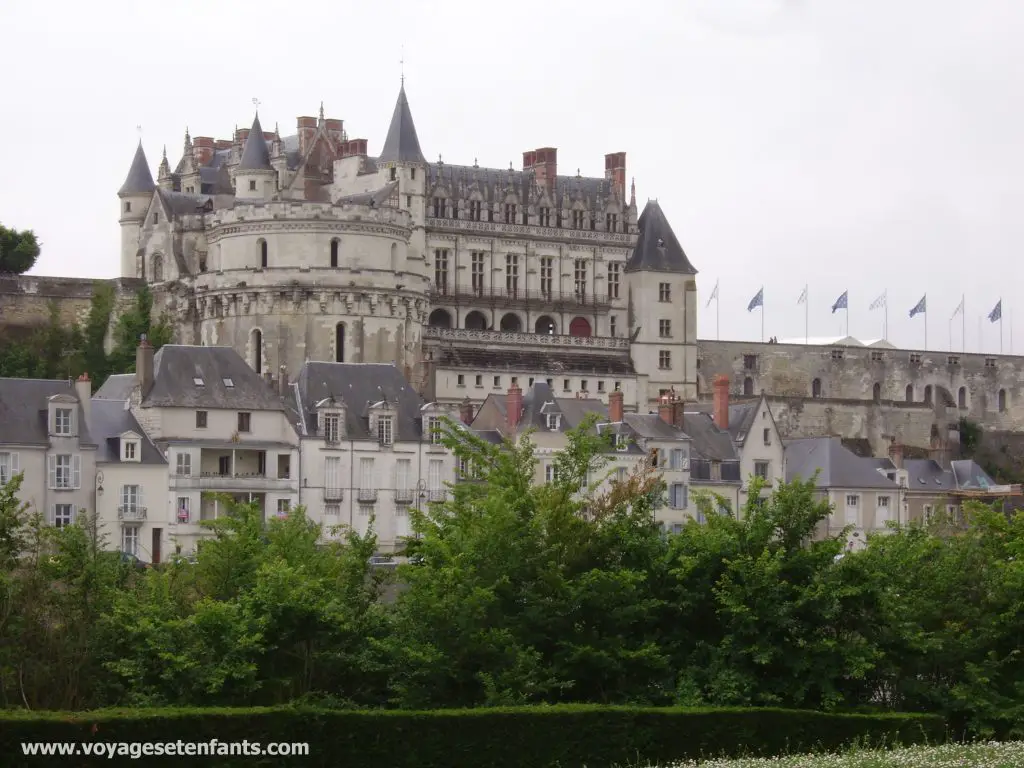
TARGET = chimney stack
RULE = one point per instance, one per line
(514, 406)
(721, 408)
(615, 406)
(83, 389)
(677, 411)
(282, 381)
(615, 172)
(896, 453)
(466, 412)
(665, 409)
(939, 452)
(144, 365)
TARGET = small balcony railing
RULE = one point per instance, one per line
(436, 494)
(131, 512)
(333, 493)
(404, 495)
(366, 494)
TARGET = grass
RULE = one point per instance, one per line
(979, 755)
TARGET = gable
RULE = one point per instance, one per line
(315, 172)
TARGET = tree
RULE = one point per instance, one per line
(131, 326)
(18, 250)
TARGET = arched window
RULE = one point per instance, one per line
(961, 397)
(440, 318)
(475, 321)
(158, 268)
(257, 350)
(816, 388)
(545, 325)
(876, 393)
(510, 323)
(394, 257)
(334, 252)
(579, 326)
(748, 386)
(339, 343)
(263, 253)
(1002, 401)
(928, 395)
(910, 393)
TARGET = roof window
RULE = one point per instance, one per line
(198, 381)
(228, 382)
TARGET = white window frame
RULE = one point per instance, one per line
(183, 509)
(10, 465)
(553, 420)
(130, 450)
(621, 442)
(332, 510)
(435, 472)
(64, 477)
(367, 481)
(851, 508)
(434, 430)
(386, 430)
(332, 427)
(550, 473)
(63, 515)
(131, 500)
(130, 539)
(403, 471)
(284, 506)
(62, 421)
(675, 490)
(332, 473)
(183, 464)
(767, 465)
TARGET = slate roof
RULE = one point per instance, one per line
(839, 467)
(538, 401)
(24, 410)
(255, 155)
(108, 420)
(709, 442)
(547, 362)
(460, 180)
(402, 143)
(374, 199)
(657, 248)
(741, 416)
(140, 179)
(358, 386)
(651, 425)
(181, 203)
(175, 366)
(117, 387)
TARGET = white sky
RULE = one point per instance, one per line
(870, 145)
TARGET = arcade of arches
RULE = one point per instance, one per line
(510, 322)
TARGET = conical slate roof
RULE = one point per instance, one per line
(402, 144)
(657, 249)
(255, 155)
(140, 179)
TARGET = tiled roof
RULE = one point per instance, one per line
(24, 406)
(657, 248)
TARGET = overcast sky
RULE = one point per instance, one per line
(864, 146)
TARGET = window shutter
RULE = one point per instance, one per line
(76, 471)
(142, 502)
(15, 464)
(686, 494)
(51, 465)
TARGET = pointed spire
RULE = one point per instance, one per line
(255, 156)
(402, 144)
(632, 193)
(321, 111)
(139, 180)
(657, 248)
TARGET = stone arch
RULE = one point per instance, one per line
(876, 392)
(1002, 400)
(256, 350)
(264, 253)
(475, 321)
(943, 396)
(748, 386)
(339, 343)
(545, 325)
(511, 323)
(910, 393)
(335, 248)
(440, 318)
(961, 398)
(157, 273)
(579, 326)
(816, 388)
(928, 399)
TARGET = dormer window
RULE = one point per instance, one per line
(434, 431)
(385, 430)
(62, 422)
(332, 427)
(129, 450)
(198, 381)
(554, 420)
(621, 442)
(228, 383)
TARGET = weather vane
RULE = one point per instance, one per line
(138, 129)
(256, 103)
(401, 63)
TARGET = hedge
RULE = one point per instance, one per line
(524, 737)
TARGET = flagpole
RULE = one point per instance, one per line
(1000, 325)
(885, 319)
(807, 316)
(963, 322)
(718, 315)
(926, 322)
(762, 319)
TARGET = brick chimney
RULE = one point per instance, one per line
(721, 385)
(335, 129)
(615, 172)
(615, 406)
(896, 453)
(307, 127)
(677, 412)
(544, 163)
(466, 411)
(665, 409)
(83, 389)
(514, 406)
(939, 452)
(144, 365)
(202, 149)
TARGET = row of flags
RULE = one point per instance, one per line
(843, 302)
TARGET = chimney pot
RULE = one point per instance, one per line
(615, 406)
(144, 365)
(514, 406)
(721, 402)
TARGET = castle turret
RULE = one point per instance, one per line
(255, 177)
(135, 194)
(402, 160)
(662, 308)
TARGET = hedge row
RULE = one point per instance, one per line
(526, 737)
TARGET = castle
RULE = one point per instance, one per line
(310, 247)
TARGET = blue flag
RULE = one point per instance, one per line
(997, 312)
(840, 303)
(921, 306)
(757, 301)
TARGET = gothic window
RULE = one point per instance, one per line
(593, 222)
(614, 269)
(512, 273)
(876, 393)
(748, 386)
(263, 252)
(962, 398)
(474, 210)
(611, 222)
(611, 326)
(577, 219)
(544, 217)
(158, 268)
(334, 252)
(526, 218)
(441, 270)
(579, 326)
(257, 350)
(438, 207)
(816, 388)
(547, 270)
(510, 213)
(477, 272)
(339, 343)
(393, 174)
(580, 281)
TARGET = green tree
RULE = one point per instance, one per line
(137, 321)
(18, 250)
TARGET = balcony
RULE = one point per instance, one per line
(563, 234)
(436, 494)
(567, 301)
(131, 513)
(212, 481)
(404, 496)
(334, 494)
(534, 339)
(366, 494)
